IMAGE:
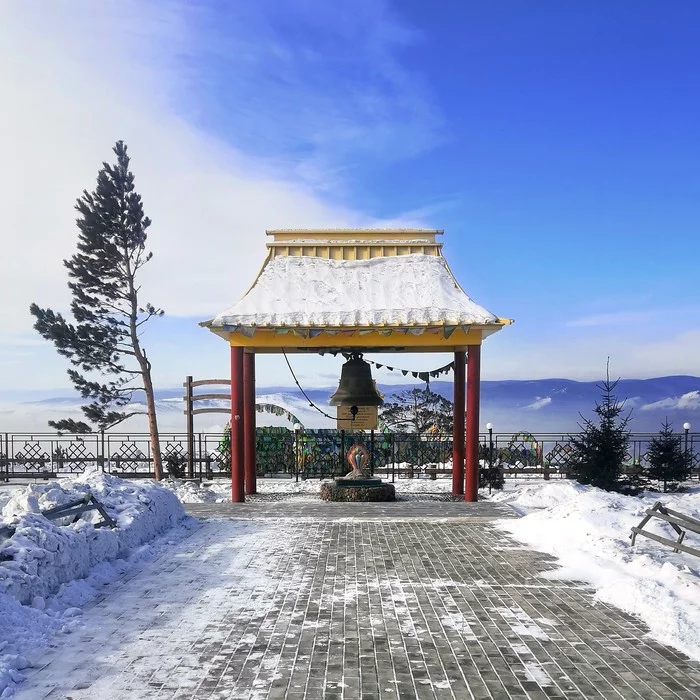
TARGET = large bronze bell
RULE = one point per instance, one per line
(356, 385)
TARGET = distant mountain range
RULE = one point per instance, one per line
(540, 405)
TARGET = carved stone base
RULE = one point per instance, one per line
(358, 491)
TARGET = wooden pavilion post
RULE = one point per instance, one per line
(458, 425)
(249, 422)
(237, 425)
(471, 488)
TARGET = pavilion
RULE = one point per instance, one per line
(355, 290)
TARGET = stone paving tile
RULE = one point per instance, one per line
(354, 605)
(317, 509)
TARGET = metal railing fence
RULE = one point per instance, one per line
(302, 454)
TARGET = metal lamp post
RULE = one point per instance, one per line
(686, 428)
(489, 427)
(297, 428)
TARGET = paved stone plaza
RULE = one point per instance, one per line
(342, 601)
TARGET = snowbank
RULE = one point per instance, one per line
(47, 571)
(588, 531)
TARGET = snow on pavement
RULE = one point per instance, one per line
(48, 570)
(160, 626)
(588, 530)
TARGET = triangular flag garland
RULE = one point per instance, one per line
(422, 375)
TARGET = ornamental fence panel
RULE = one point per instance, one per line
(302, 454)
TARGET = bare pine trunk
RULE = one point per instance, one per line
(152, 421)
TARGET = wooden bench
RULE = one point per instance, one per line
(680, 522)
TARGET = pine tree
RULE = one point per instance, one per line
(668, 461)
(599, 452)
(109, 319)
(418, 410)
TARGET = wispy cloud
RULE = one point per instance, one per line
(618, 318)
(320, 86)
(81, 75)
(634, 318)
(234, 123)
(540, 403)
(689, 401)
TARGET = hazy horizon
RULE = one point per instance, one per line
(548, 405)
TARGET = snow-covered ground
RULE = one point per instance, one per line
(219, 491)
(48, 571)
(588, 531)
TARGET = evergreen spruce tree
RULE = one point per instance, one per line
(668, 461)
(418, 410)
(599, 452)
(105, 339)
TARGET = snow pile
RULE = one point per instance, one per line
(47, 570)
(588, 531)
(6, 493)
(194, 492)
(41, 554)
(524, 496)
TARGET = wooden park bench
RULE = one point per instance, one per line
(74, 509)
(680, 522)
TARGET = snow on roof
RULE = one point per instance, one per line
(350, 241)
(313, 292)
(345, 231)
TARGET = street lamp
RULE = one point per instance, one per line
(297, 428)
(489, 427)
(686, 427)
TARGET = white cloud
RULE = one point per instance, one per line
(321, 82)
(617, 318)
(635, 318)
(79, 75)
(689, 401)
(540, 403)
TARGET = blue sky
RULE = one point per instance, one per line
(556, 144)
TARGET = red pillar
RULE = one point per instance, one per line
(237, 447)
(249, 422)
(472, 446)
(458, 425)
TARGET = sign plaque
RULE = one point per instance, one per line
(366, 418)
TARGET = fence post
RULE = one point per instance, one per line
(545, 466)
(199, 453)
(190, 427)
(6, 459)
(342, 451)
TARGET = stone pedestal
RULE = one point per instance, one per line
(357, 490)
